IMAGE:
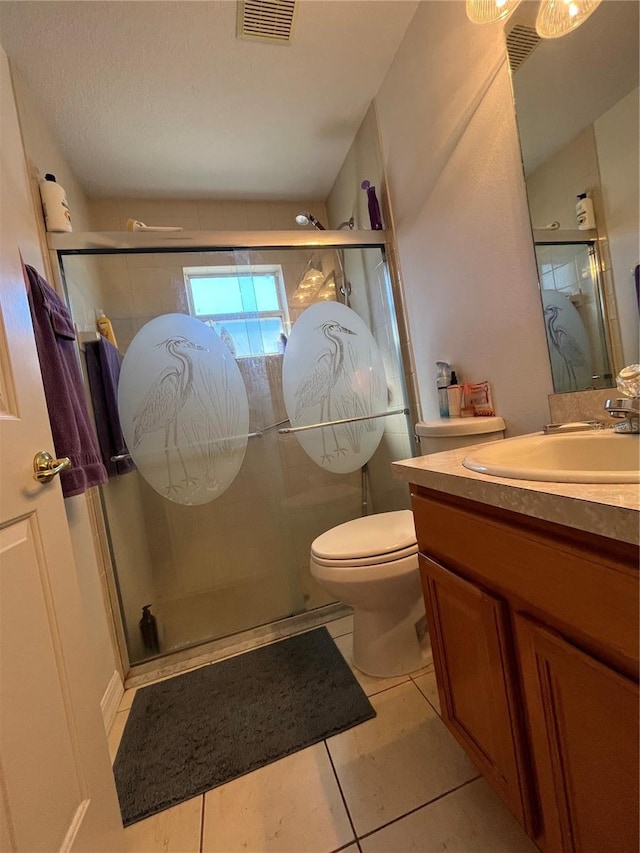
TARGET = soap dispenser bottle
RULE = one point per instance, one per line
(454, 396)
(443, 380)
(149, 630)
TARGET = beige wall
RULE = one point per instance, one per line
(455, 178)
(43, 155)
(371, 299)
(619, 157)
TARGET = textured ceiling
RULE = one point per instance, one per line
(160, 98)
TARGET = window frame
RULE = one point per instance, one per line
(241, 271)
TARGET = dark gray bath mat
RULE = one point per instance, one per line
(198, 730)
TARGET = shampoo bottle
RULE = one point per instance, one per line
(54, 205)
(584, 213)
(443, 380)
(374, 208)
(106, 329)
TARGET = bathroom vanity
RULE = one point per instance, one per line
(532, 602)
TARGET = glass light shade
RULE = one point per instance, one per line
(488, 11)
(556, 18)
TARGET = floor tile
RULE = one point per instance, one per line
(115, 733)
(398, 761)
(427, 685)
(339, 627)
(369, 683)
(469, 820)
(175, 830)
(291, 805)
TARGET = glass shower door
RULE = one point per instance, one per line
(216, 568)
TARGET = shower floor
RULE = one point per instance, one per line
(184, 659)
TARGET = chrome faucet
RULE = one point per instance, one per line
(627, 408)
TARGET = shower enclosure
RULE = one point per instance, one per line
(216, 569)
(574, 310)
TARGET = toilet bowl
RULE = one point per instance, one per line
(371, 563)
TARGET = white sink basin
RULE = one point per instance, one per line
(586, 457)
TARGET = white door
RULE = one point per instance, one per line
(56, 787)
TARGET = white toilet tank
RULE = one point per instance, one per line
(451, 433)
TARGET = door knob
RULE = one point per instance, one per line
(45, 467)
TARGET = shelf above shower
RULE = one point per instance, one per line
(103, 242)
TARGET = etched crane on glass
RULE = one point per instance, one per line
(165, 399)
(564, 345)
(317, 386)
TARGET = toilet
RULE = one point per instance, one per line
(371, 564)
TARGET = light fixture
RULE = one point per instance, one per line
(556, 18)
(488, 11)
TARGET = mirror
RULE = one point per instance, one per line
(576, 102)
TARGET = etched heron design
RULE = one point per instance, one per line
(164, 401)
(565, 345)
(317, 386)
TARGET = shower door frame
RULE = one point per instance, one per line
(118, 242)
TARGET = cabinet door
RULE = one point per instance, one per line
(583, 719)
(472, 652)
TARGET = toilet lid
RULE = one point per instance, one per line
(385, 533)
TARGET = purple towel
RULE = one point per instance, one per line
(73, 434)
(103, 371)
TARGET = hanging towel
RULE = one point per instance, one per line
(103, 371)
(73, 434)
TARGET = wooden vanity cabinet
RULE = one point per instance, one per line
(534, 630)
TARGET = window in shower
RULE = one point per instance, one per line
(245, 306)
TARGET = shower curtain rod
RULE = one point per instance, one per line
(105, 242)
(388, 414)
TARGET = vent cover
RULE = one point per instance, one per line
(266, 20)
(521, 42)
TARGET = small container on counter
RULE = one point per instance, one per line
(454, 396)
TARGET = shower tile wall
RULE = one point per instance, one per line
(219, 566)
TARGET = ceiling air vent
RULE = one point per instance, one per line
(521, 42)
(266, 20)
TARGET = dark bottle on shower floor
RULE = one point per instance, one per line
(149, 630)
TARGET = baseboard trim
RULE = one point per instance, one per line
(110, 702)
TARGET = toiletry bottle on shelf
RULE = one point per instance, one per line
(54, 205)
(443, 380)
(106, 329)
(374, 208)
(454, 396)
(584, 213)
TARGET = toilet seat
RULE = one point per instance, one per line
(368, 541)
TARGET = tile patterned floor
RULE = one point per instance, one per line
(394, 784)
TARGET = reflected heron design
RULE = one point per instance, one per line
(564, 345)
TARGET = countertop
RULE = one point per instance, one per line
(610, 510)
